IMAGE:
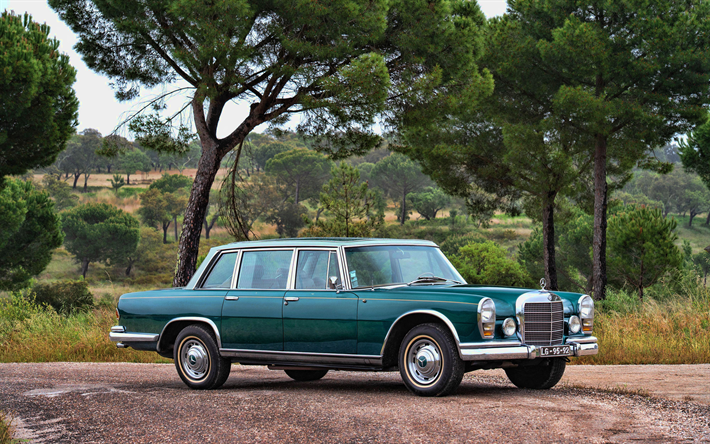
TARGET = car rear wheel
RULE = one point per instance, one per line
(540, 377)
(306, 375)
(429, 362)
(197, 359)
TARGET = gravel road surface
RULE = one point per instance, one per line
(147, 403)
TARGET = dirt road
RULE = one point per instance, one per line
(147, 403)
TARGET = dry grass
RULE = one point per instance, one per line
(669, 333)
(45, 336)
(5, 429)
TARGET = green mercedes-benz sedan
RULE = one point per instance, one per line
(307, 306)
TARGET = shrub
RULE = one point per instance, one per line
(5, 429)
(14, 310)
(487, 263)
(452, 244)
(65, 296)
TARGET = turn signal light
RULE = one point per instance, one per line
(587, 325)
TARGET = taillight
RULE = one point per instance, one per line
(117, 315)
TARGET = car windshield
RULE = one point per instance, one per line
(398, 264)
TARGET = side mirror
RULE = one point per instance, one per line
(333, 283)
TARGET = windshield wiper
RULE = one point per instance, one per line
(432, 278)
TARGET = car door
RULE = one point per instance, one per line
(318, 317)
(252, 312)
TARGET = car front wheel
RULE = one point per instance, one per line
(197, 359)
(429, 361)
(541, 376)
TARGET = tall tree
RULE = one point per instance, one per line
(398, 176)
(337, 62)
(99, 233)
(695, 155)
(303, 170)
(81, 158)
(31, 230)
(39, 108)
(132, 161)
(634, 73)
(349, 202)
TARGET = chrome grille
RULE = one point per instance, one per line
(544, 323)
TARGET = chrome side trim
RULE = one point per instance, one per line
(133, 337)
(429, 312)
(305, 357)
(199, 319)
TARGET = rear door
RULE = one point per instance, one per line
(252, 312)
(318, 317)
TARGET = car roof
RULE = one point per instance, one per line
(324, 242)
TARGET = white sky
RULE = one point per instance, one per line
(98, 107)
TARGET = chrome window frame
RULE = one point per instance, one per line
(393, 244)
(294, 268)
(243, 251)
(217, 257)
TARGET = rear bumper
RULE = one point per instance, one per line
(119, 336)
(509, 350)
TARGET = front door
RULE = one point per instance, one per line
(252, 313)
(317, 316)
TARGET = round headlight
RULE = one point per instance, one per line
(509, 327)
(487, 309)
(586, 307)
(574, 325)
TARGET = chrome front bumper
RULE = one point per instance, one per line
(509, 350)
(118, 334)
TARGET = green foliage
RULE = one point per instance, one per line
(170, 183)
(264, 153)
(132, 161)
(6, 429)
(302, 170)
(452, 245)
(641, 247)
(13, 310)
(99, 233)
(39, 108)
(487, 263)
(31, 229)
(398, 176)
(117, 183)
(695, 152)
(157, 134)
(288, 218)
(65, 297)
(350, 203)
(60, 192)
(80, 156)
(702, 262)
(429, 201)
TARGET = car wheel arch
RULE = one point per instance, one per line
(173, 328)
(402, 325)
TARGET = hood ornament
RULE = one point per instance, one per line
(543, 283)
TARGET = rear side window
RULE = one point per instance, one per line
(264, 269)
(221, 274)
(315, 270)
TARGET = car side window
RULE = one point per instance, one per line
(264, 269)
(221, 274)
(315, 269)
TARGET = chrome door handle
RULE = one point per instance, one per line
(231, 298)
(290, 299)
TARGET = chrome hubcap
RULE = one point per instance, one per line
(195, 359)
(424, 361)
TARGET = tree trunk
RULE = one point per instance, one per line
(175, 227)
(86, 179)
(165, 232)
(548, 240)
(108, 169)
(707, 221)
(76, 179)
(690, 221)
(128, 179)
(298, 189)
(84, 267)
(129, 268)
(404, 208)
(600, 203)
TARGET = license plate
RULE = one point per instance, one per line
(560, 350)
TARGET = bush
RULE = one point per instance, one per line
(14, 310)
(487, 263)
(65, 297)
(452, 244)
(5, 429)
